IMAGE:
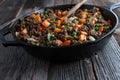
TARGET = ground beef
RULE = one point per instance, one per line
(52, 29)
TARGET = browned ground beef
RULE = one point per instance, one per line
(52, 29)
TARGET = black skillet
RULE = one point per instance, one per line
(83, 50)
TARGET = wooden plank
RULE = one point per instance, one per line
(9, 9)
(18, 65)
(88, 70)
(107, 3)
(106, 63)
(59, 2)
(75, 1)
(117, 34)
(68, 1)
(67, 71)
(20, 69)
(102, 66)
(44, 3)
(2, 1)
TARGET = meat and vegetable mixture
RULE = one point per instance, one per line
(53, 29)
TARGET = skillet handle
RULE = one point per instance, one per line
(114, 6)
(5, 42)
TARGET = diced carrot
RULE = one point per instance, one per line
(82, 21)
(66, 43)
(73, 24)
(59, 13)
(79, 26)
(24, 31)
(57, 30)
(101, 28)
(98, 12)
(82, 38)
(45, 23)
(63, 18)
(62, 26)
(33, 15)
(83, 14)
(83, 32)
(58, 22)
(59, 42)
(64, 13)
(39, 28)
(53, 14)
(38, 18)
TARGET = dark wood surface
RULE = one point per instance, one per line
(17, 64)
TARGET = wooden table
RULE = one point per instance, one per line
(16, 64)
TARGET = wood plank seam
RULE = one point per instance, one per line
(2, 2)
(19, 11)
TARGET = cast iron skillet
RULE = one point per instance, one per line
(83, 50)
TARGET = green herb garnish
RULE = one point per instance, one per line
(96, 26)
(70, 31)
(74, 34)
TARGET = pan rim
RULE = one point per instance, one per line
(82, 44)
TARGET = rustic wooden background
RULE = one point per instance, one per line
(17, 64)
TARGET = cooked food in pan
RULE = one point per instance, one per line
(52, 28)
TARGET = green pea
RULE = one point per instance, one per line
(53, 27)
(96, 26)
(52, 37)
(46, 13)
(70, 31)
(74, 35)
(85, 10)
(37, 43)
(48, 42)
(41, 14)
(99, 16)
(69, 25)
(107, 27)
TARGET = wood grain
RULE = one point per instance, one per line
(9, 9)
(101, 66)
(2, 1)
